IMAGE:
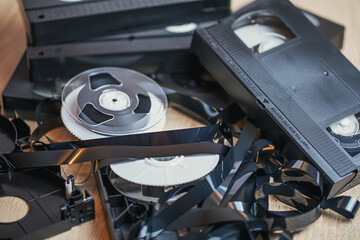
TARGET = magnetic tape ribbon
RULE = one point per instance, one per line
(243, 200)
(240, 184)
(201, 190)
(116, 148)
(233, 179)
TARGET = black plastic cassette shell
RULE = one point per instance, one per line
(143, 51)
(142, 41)
(113, 205)
(107, 205)
(48, 63)
(39, 4)
(18, 92)
(109, 47)
(45, 198)
(83, 20)
(220, 40)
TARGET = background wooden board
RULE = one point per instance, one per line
(329, 226)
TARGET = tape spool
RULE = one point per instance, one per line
(347, 133)
(261, 31)
(112, 101)
(147, 179)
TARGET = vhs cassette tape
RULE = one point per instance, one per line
(145, 51)
(54, 21)
(49, 210)
(164, 49)
(292, 82)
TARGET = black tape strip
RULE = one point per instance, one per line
(46, 127)
(241, 176)
(174, 192)
(116, 147)
(345, 206)
(202, 190)
(8, 135)
(235, 230)
(190, 135)
(248, 132)
(193, 107)
(289, 221)
(80, 155)
(49, 124)
(297, 184)
(204, 217)
(22, 130)
(246, 169)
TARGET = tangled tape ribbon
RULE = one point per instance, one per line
(239, 196)
(231, 202)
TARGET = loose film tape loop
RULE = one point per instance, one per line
(111, 148)
(253, 212)
(240, 183)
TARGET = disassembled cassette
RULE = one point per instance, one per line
(54, 205)
(56, 22)
(287, 77)
(50, 212)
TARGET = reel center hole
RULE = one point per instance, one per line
(138, 211)
(114, 100)
(164, 159)
(13, 209)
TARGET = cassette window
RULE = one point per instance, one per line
(261, 31)
(347, 133)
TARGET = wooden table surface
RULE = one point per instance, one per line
(329, 226)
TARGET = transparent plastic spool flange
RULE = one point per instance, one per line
(261, 31)
(107, 100)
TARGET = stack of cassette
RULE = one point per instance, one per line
(156, 46)
(66, 38)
